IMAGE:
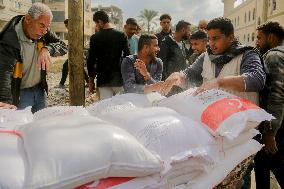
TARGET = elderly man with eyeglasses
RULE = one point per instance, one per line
(26, 45)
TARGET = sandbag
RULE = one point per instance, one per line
(69, 152)
(223, 114)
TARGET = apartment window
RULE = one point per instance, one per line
(252, 37)
(245, 17)
(258, 21)
(88, 23)
(87, 6)
(249, 16)
(238, 20)
(248, 37)
(253, 14)
(273, 4)
(58, 16)
(17, 5)
(268, 3)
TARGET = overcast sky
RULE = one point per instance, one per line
(189, 10)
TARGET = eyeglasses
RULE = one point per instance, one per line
(43, 27)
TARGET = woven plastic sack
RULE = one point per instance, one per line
(232, 158)
(11, 118)
(223, 114)
(60, 111)
(69, 152)
(12, 160)
(125, 102)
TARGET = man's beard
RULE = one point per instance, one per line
(264, 49)
(185, 37)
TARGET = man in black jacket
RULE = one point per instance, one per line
(173, 51)
(107, 47)
(26, 45)
(165, 22)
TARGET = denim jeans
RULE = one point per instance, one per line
(34, 96)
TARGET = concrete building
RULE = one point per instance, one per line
(246, 15)
(11, 8)
(114, 13)
(59, 10)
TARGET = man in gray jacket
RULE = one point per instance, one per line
(270, 37)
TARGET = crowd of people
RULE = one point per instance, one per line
(167, 62)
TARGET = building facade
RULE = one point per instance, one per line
(11, 8)
(59, 10)
(115, 15)
(247, 15)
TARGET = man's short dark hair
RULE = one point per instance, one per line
(145, 39)
(223, 24)
(181, 25)
(272, 28)
(199, 35)
(66, 21)
(165, 16)
(131, 21)
(101, 15)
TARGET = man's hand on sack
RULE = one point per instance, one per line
(270, 143)
(176, 78)
(7, 106)
(44, 59)
(212, 84)
(156, 87)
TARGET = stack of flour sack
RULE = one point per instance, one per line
(130, 141)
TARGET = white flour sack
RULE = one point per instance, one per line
(10, 118)
(164, 132)
(60, 111)
(124, 102)
(223, 114)
(12, 166)
(69, 152)
(232, 158)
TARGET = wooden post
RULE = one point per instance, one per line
(76, 58)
